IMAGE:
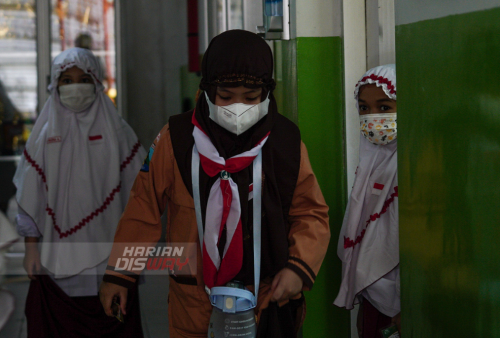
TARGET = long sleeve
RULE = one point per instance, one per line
(25, 225)
(141, 220)
(310, 231)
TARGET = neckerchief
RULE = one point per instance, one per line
(223, 209)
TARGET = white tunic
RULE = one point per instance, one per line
(74, 178)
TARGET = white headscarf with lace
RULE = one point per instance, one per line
(369, 239)
(76, 172)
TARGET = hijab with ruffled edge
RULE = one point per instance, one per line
(368, 244)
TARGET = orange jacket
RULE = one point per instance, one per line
(162, 187)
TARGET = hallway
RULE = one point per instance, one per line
(153, 307)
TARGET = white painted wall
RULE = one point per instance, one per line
(380, 33)
(317, 18)
(252, 15)
(409, 11)
(153, 48)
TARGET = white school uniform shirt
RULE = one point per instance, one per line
(75, 176)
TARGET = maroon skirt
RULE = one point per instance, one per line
(373, 321)
(52, 313)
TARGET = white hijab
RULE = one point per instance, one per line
(76, 172)
(369, 240)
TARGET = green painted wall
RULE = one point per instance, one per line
(320, 99)
(309, 73)
(285, 75)
(449, 174)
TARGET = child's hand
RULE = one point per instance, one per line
(286, 284)
(110, 291)
(396, 320)
(31, 261)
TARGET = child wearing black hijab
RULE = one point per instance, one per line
(235, 125)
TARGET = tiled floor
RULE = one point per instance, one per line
(16, 326)
(153, 295)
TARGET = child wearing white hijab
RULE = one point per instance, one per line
(369, 240)
(73, 182)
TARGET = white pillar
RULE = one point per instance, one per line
(354, 68)
(43, 44)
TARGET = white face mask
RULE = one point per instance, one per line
(237, 117)
(77, 96)
(379, 128)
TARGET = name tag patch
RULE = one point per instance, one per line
(95, 140)
(54, 139)
(95, 137)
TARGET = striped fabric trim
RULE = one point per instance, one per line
(132, 279)
(118, 281)
(305, 265)
(123, 272)
(308, 282)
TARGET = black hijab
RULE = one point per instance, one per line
(236, 58)
(241, 58)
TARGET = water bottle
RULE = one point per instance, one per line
(227, 321)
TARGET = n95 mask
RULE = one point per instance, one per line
(78, 96)
(237, 117)
(379, 129)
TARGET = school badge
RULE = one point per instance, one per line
(147, 160)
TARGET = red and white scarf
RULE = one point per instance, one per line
(223, 208)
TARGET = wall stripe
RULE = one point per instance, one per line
(320, 98)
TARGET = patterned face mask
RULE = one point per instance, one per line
(379, 129)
